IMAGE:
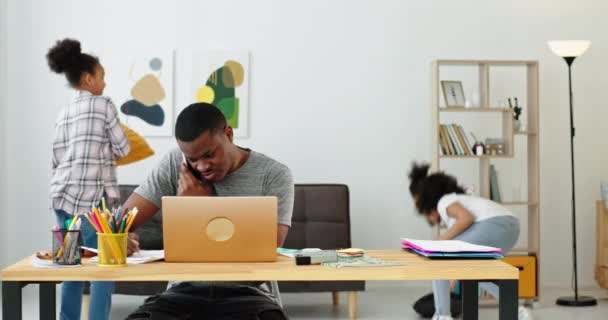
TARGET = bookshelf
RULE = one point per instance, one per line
(476, 109)
(501, 116)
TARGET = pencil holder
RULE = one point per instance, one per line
(112, 249)
(66, 247)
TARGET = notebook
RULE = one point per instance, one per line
(139, 257)
(450, 249)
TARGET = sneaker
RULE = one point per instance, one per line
(438, 317)
(524, 314)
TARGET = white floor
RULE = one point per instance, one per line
(380, 301)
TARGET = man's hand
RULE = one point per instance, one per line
(188, 185)
(132, 243)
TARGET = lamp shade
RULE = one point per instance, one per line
(569, 48)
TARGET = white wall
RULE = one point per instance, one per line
(339, 92)
(3, 107)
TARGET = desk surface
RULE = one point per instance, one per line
(412, 267)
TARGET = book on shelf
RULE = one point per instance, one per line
(453, 141)
(442, 146)
(460, 137)
(445, 140)
(448, 140)
(468, 144)
(494, 190)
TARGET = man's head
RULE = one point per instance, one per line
(206, 140)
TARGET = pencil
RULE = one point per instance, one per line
(103, 204)
(123, 224)
(91, 222)
(132, 218)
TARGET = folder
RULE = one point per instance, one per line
(450, 249)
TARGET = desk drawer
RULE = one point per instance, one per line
(527, 274)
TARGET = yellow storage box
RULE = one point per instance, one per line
(527, 275)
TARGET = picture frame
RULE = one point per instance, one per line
(453, 93)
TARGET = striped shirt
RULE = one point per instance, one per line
(87, 140)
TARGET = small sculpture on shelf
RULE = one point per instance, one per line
(478, 148)
(495, 146)
(516, 113)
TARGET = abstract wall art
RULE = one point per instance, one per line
(142, 89)
(222, 79)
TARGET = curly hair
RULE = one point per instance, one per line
(67, 57)
(427, 189)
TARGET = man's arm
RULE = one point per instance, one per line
(161, 181)
(282, 231)
(281, 185)
(145, 209)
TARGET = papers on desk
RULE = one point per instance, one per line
(450, 249)
(142, 256)
(360, 261)
(48, 264)
(293, 252)
(346, 258)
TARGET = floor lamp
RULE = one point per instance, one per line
(570, 50)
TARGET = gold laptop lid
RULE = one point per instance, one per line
(219, 229)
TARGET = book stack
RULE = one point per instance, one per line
(453, 141)
(450, 249)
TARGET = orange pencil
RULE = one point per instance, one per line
(102, 221)
(91, 222)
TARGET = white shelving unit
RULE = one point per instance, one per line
(530, 137)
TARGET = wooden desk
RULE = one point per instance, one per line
(413, 267)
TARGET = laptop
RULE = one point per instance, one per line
(220, 229)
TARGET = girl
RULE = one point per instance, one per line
(87, 140)
(468, 218)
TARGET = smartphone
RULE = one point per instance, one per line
(194, 172)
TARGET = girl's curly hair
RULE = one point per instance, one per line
(427, 189)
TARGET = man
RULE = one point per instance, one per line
(208, 163)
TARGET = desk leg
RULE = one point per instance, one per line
(508, 302)
(11, 300)
(470, 300)
(47, 301)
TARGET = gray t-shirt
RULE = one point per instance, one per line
(258, 176)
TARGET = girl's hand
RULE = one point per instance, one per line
(464, 219)
(444, 236)
(440, 238)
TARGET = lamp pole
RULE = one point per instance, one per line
(576, 301)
